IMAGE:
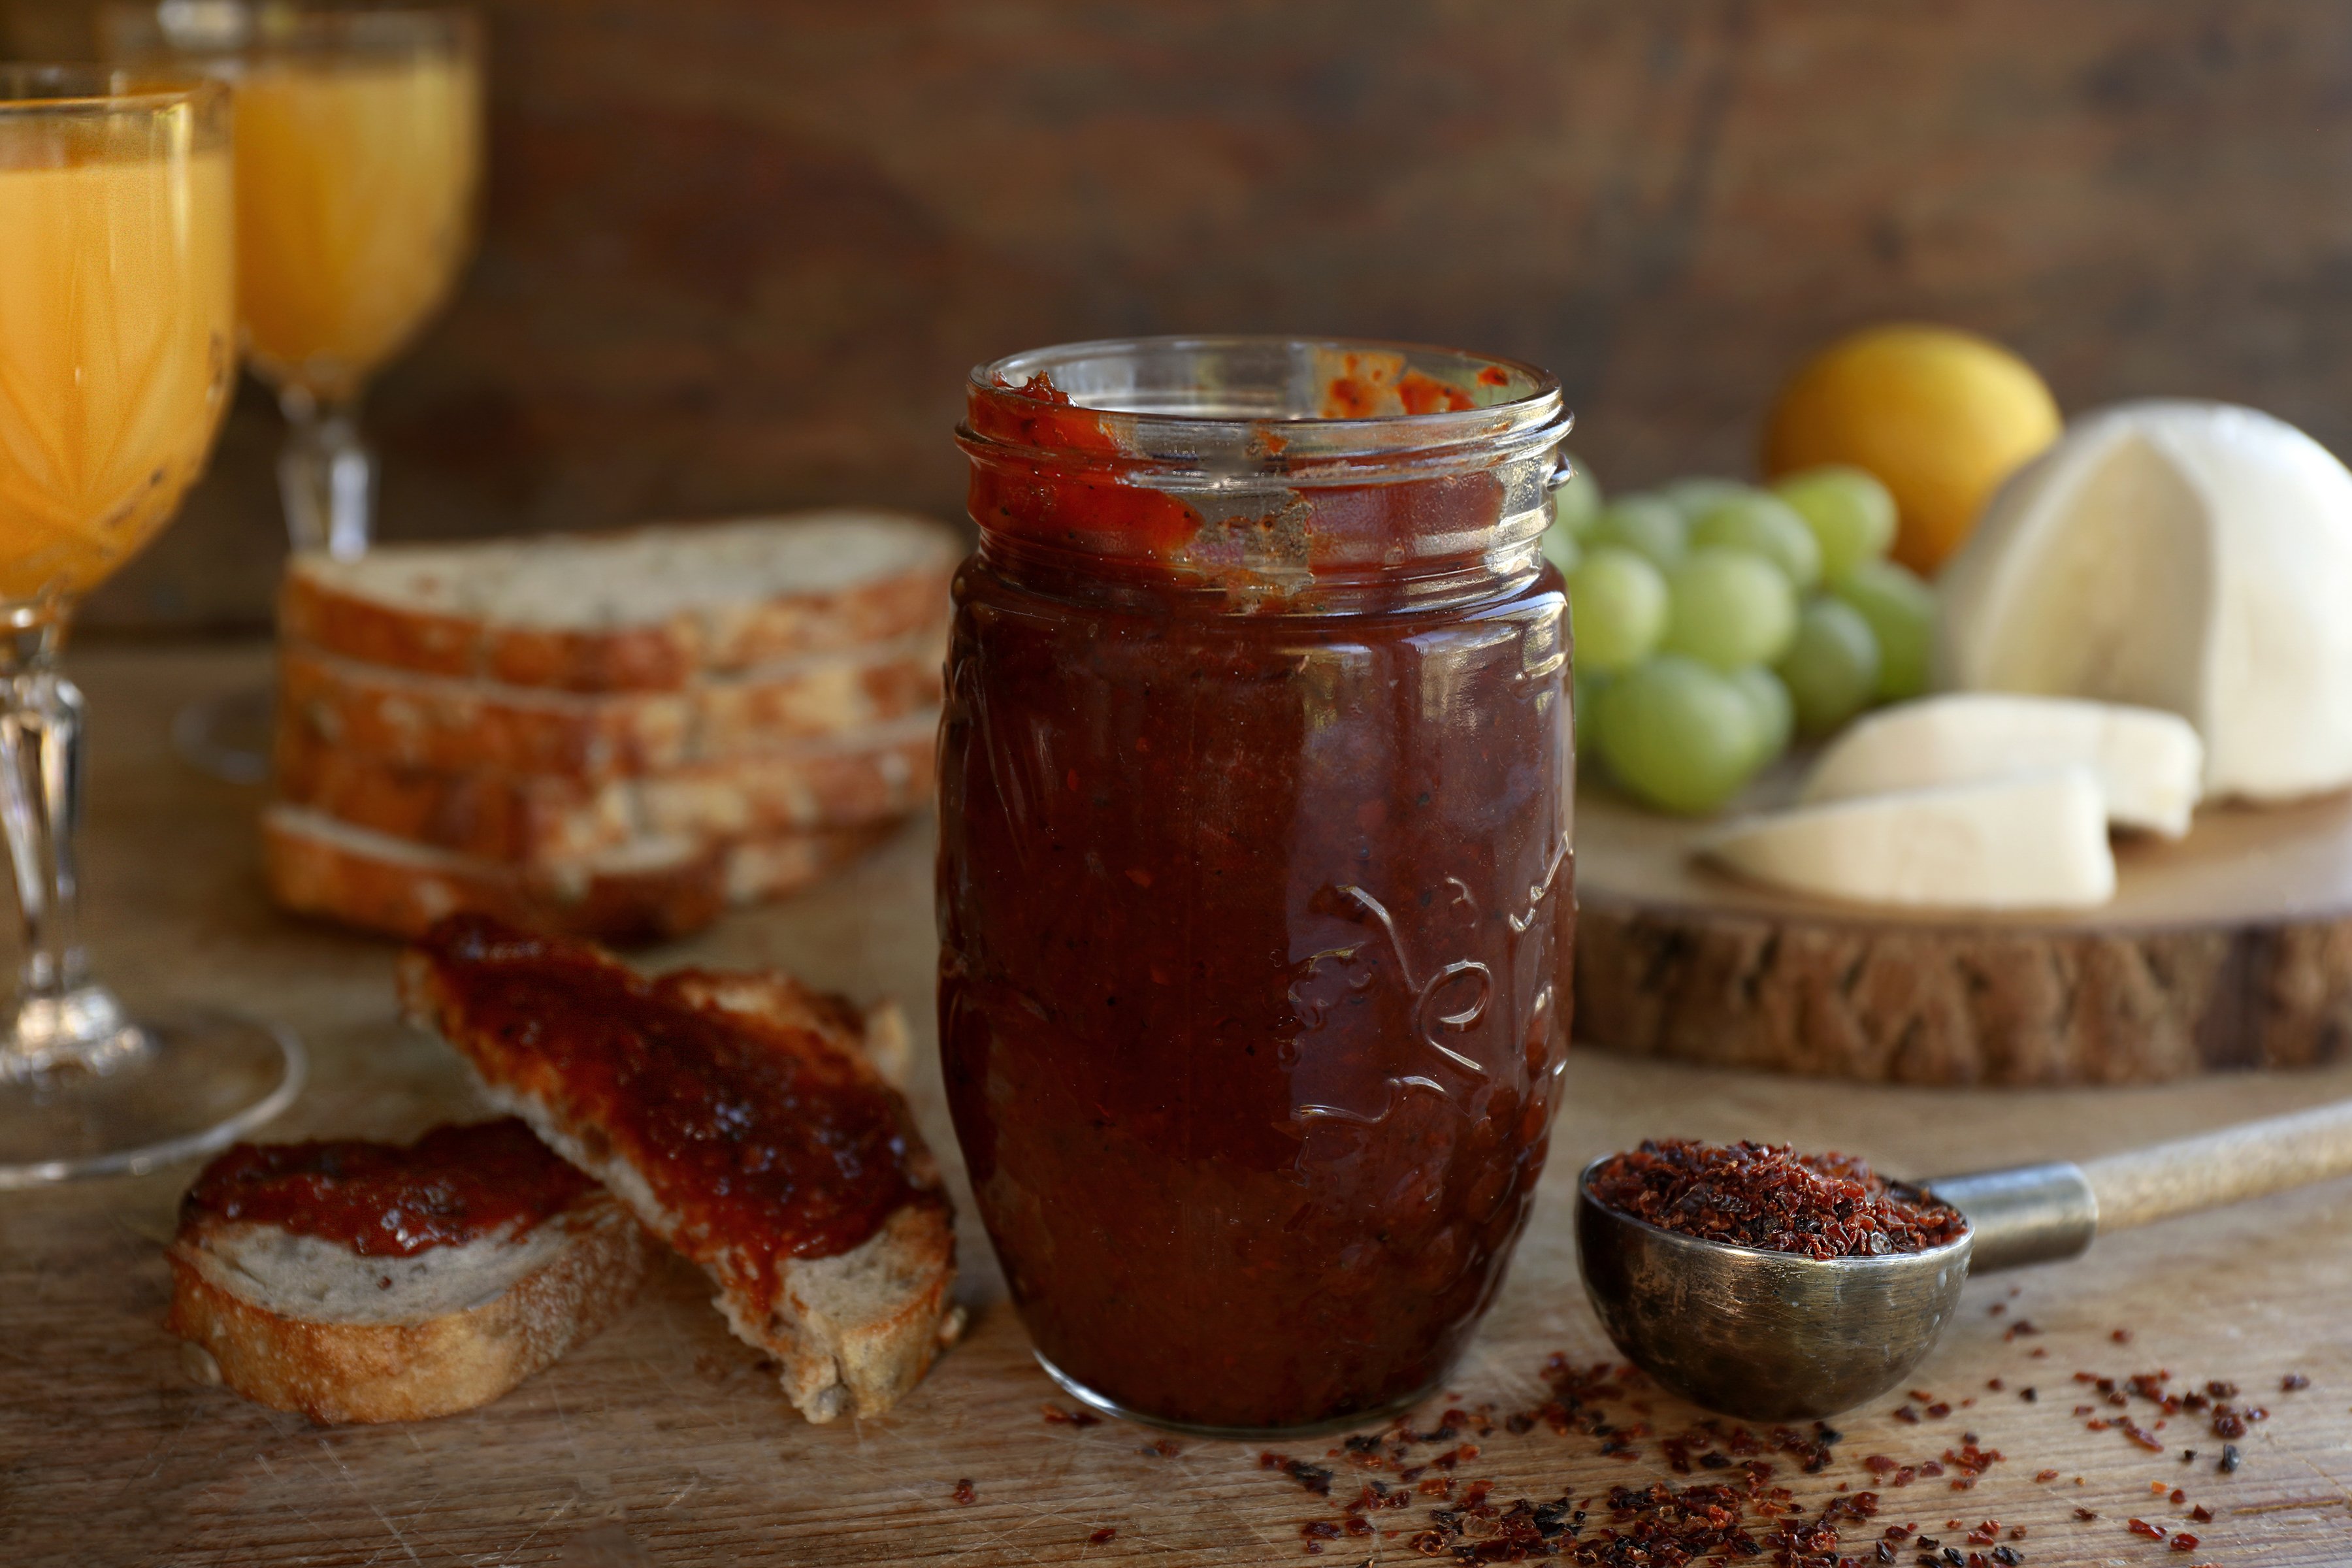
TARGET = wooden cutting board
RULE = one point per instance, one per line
(662, 1443)
(2230, 948)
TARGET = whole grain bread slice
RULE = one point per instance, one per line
(439, 721)
(299, 1323)
(642, 891)
(856, 778)
(853, 1329)
(637, 609)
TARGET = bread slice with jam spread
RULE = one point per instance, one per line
(360, 1281)
(740, 1115)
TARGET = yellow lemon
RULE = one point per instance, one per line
(1940, 416)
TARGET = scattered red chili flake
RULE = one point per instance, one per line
(2292, 1382)
(1939, 1410)
(1772, 1198)
(2184, 1542)
(2085, 1515)
(2028, 1394)
(1995, 1383)
(2179, 1496)
(2142, 1527)
(965, 1492)
(2220, 1390)
(2201, 1514)
(1103, 1535)
(1057, 1416)
(2121, 1336)
(1161, 1449)
(2045, 1475)
(1905, 1414)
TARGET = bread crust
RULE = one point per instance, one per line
(435, 722)
(380, 883)
(338, 1371)
(859, 778)
(852, 1333)
(663, 654)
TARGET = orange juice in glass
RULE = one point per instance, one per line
(359, 154)
(117, 351)
(116, 331)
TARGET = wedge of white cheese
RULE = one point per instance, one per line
(2023, 842)
(2150, 764)
(2191, 556)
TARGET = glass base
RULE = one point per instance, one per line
(1372, 1416)
(187, 1084)
(227, 737)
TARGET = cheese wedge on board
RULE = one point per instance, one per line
(2026, 842)
(2150, 764)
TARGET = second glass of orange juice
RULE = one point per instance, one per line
(358, 156)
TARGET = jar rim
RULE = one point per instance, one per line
(1195, 410)
(1009, 377)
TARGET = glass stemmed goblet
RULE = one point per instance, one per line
(117, 351)
(359, 154)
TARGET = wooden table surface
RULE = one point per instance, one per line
(658, 1442)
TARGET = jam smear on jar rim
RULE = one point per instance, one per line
(1772, 1198)
(453, 1185)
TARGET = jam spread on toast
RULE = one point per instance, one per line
(765, 1140)
(454, 1185)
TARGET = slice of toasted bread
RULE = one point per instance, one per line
(849, 780)
(640, 610)
(299, 1321)
(436, 721)
(612, 1068)
(641, 890)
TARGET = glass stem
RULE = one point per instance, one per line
(60, 1017)
(327, 475)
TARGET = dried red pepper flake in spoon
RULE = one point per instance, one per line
(1769, 1197)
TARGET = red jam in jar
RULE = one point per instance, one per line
(1254, 884)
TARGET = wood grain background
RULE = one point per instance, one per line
(739, 252)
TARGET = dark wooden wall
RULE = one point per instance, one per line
(739, 252)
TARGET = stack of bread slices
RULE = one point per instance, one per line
(615, 735)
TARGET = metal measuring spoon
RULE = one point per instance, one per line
(1778, 1336)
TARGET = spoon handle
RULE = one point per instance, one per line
(2226, 1167)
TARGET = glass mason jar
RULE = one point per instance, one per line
(1255, 888)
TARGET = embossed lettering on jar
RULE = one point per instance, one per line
(1255, 876)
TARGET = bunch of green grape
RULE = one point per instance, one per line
(1715, 620)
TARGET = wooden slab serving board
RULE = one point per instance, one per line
(661, 1442)
(2229, 947)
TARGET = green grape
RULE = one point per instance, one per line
(1586, 687)
(1762, 522)
(1900, 611)
(1698, 496)
(1617, 608)
(1559, 548)
(1832, 667)
(1852, 515)
(1643, 524)
(1677, 734)
(1575, 504)
(1775, 713)
(1729, 608)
